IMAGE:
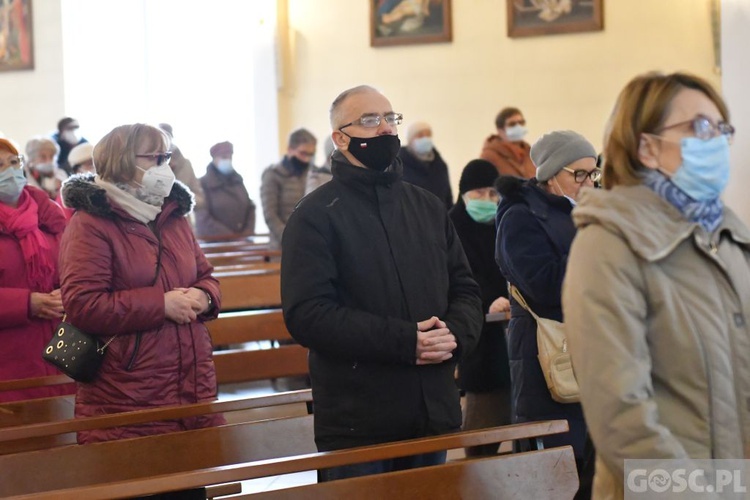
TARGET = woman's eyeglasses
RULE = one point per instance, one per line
(160, 158)
(373, 120)
(581, 175)
(14, 162)
(704, 129)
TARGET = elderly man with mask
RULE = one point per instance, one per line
(376, 284)
(41, 166)
(228, 211)
(423, 165)
(507, 150)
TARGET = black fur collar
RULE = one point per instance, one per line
(80, 193)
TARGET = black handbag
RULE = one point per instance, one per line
(75, 353)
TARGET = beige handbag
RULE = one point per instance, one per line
(554, 357)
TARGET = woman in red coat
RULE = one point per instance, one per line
(30, 229)
(133, 273)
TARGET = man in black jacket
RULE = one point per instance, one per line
(375, 283)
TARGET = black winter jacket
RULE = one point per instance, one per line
(486, 368)
(432, 175)
(365, 257)
(534, 235)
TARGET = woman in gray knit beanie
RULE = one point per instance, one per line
(565, 162)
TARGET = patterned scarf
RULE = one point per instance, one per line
(708, 214)
(23, 223)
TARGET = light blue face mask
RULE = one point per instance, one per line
(12, 182)
(704, 172)
(481, 211)
(224, 166)
(422, 145)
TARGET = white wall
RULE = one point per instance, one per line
(32, 100)
(735, 39)
(561, 81)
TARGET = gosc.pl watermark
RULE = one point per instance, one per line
(699, 479)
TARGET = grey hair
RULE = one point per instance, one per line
(335, 114)
(36, 144)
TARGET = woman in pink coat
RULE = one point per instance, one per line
(30, 229)
(133, 273)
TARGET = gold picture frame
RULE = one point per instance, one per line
(402, 22)
(552, 17)
(16, 36)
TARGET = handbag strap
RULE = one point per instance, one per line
(519, 298)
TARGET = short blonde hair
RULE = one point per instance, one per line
(36, 144)
(642, 107)
(114, 155)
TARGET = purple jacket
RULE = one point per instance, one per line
(108, 262)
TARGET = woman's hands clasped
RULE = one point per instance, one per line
(183, 305)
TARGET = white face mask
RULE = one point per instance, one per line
(69, 136)
(516, 133)
(224, 165)
(44, 168)
(157, 181)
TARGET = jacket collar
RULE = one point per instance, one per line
(514, 190)
(355, 176)
(80, 193)
(651, 225)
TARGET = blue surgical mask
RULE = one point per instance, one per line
(704, 172)
(224, 166)
(422, 145)
(12, 182)
(481, 211)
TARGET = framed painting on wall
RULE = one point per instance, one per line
(549, 17)
(400, 22)
(16, 44)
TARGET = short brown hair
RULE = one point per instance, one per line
(642, 107)
(301, 136)
(504, 114)
(114, 155)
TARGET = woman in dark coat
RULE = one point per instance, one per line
(534, 235)
(483, 374)
(132, 273)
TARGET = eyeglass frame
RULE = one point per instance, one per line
(714, 129)
(395, 119)
(161, 158)
(21, 162)
(597, 172)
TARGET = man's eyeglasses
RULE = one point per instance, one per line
(160, 158)
(705, 129)
(580, 175)
(372, 120)
(14, 162)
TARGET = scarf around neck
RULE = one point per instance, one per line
(23, 223)
(708, 214)
(139, 210)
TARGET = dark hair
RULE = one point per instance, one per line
(301, 136)
(64, 123)
(504, 114)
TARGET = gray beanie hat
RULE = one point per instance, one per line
(558, 149)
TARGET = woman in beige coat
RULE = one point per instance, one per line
(657, 293)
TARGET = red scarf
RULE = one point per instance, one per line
(23, 223)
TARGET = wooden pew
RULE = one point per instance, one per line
(232, 366)
(539, 475)
(44, 435)
(142, 466)
(242, 257)
(251, 289)
(242, 365)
